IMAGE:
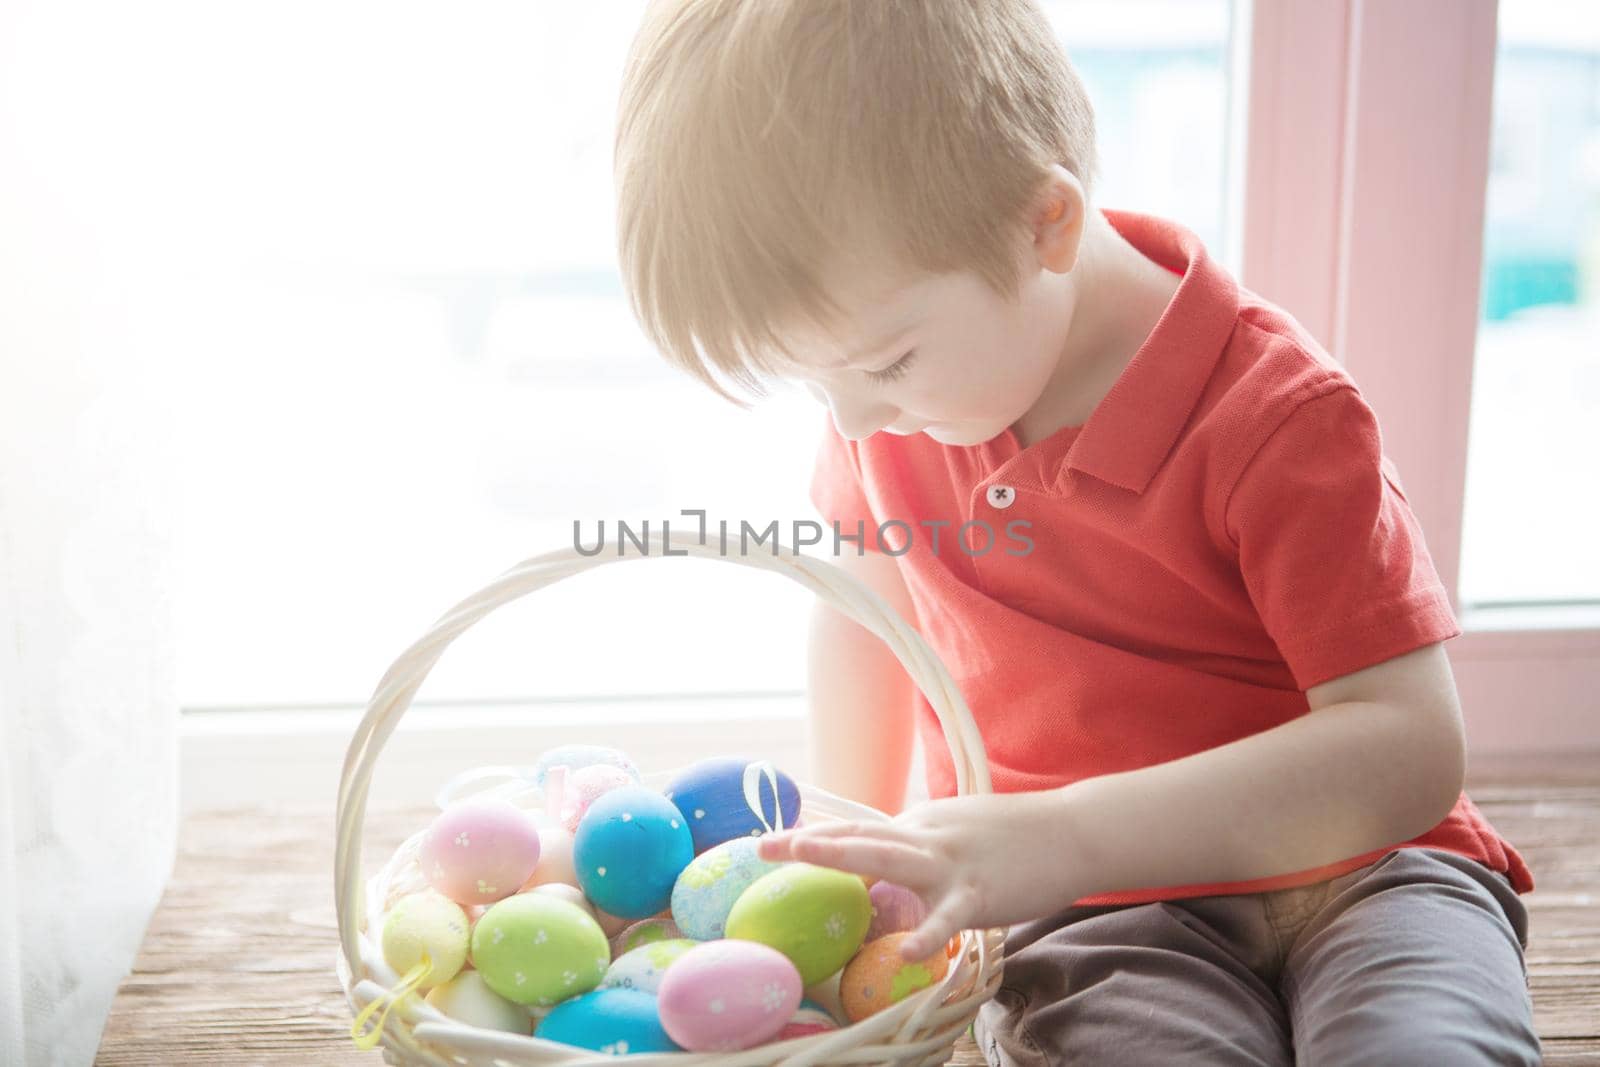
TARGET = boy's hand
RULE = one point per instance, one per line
(978, 861)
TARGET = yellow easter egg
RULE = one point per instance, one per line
(426, 922)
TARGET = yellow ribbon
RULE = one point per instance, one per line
(387, 1000)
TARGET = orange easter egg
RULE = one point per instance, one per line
(877, 976)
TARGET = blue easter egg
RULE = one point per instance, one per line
(614, 1021)
(707, 889)
(629, 849)
(712, 796)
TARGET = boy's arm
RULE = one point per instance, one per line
(861, 698)
(1378, 760)
(1375, 762)
(1336, 566)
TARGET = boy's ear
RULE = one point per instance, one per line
(1058, 221)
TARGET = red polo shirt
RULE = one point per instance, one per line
(1223, 533)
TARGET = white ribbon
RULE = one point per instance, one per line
(518, 780)
(752, 792)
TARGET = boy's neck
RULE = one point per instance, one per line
(1118, 295)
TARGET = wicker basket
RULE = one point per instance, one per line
(922, 1029)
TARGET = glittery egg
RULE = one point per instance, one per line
(614, 1021)
(467, 998)
(644, 932)
(878, 976)
(426, 922)
(480, 850)
(577, 757)
(810, 1018)
(555, 858)
(711, 795)
(585, 786)
(706, 890)
(642, 968)
(894, 908)
(534, 948)
(817, 916)
(629, 849)
(721, 996)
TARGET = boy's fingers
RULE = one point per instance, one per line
(850, 828)
(952, 915)
(889, 860)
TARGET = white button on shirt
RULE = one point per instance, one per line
(1001, 496)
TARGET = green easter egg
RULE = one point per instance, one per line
(817, 916)
(537, 949)
(427, 922)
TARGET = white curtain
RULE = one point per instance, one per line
(88, 708)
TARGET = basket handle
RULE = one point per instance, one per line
(400, 683)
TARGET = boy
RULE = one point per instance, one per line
(1228, 824)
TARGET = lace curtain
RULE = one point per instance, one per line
(88, 697)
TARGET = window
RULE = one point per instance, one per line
(1157, 73)
(1532, 511)
(410, 362)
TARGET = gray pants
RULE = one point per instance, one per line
(1415, 959)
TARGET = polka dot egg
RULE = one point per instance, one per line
(535, 948)
(614, 1021)
(712, 796)
(721, 996)
(629, 849)
(479, 850)
(817, 916)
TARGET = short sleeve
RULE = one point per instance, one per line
(836, 484)
(1329, 549)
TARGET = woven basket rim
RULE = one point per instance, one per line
(920, 1029)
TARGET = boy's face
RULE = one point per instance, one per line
(943, 355)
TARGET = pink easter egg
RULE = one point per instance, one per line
(612, 924)
(555, 859)
(809, 1019)
(586, 785)
(728, 994)
(479, 850)
(570, 893)
(894, 909)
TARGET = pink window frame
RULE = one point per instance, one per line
(1363, 166)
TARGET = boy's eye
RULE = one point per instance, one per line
(893, 370)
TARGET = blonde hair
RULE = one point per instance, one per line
(761, 144)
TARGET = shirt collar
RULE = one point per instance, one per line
(1130, 432)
